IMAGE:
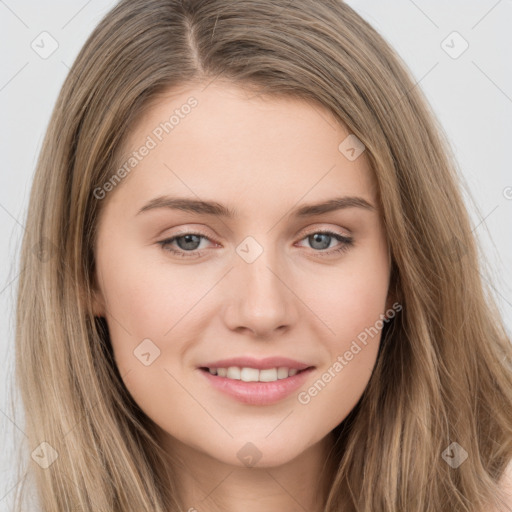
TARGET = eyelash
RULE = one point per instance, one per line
(346, 243)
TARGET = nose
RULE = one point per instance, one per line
(261, 299)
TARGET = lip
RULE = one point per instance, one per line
(258, 393)
(259, 364)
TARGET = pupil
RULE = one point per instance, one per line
(191, 242)
(317, 238)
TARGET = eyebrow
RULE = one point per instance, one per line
(219, 210)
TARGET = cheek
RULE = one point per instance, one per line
(354, 318)
(146, 302)
(357, 307)
(352, 309)
(150, 320)
(352, 297)
(351, 301)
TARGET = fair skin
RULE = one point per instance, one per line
(263, 158)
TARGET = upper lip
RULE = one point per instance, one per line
(260, 364)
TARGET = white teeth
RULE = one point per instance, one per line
(271, 374)
(233, 373)
(282, 373)
(253, 374)
(249, 374)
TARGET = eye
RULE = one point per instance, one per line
(188, 243)
(321, 240)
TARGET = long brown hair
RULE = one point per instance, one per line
(443, 373)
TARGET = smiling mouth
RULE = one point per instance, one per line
(251, 386)
(255, 375)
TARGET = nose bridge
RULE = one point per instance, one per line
(261, 300)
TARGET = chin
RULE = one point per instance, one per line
(260, 453)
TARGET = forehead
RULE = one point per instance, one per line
(230, 143)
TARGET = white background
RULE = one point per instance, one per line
(471, 95)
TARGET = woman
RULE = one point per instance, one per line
(250, 279)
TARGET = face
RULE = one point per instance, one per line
(258, 273)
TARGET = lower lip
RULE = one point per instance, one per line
(258, 393)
